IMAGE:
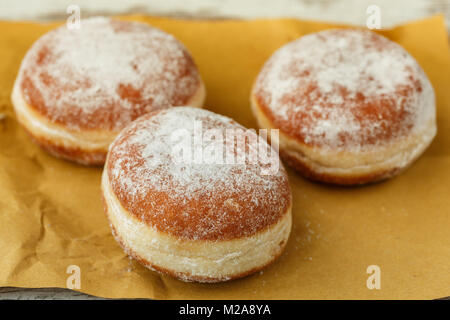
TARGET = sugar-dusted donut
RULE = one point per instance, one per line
(205, 221)
(76, 89)
(352, 106)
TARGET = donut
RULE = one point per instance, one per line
(202, 221)
(351, 106)
(76, 89)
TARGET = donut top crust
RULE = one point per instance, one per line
(344, 89)
(196, 201)
(106, 74)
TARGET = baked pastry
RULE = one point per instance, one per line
(76, 89)
(205, 221)
(352, 106)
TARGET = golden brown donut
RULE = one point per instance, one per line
(197, 221)
(352, 106)
(76, 89)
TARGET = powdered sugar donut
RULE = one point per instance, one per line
(204, 221)
(76, 89)
(352, 106)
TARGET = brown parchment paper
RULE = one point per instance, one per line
(51, 214)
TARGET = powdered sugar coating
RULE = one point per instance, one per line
(192, 200)
(344, 89)
(106, 74)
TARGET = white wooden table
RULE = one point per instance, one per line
(343, 11)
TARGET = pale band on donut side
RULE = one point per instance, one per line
(194, 260)
(347, 167)
(88, 147)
